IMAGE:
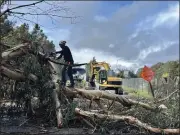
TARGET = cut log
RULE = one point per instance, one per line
(14, 75)
(128, 119)
(97, 94)
(15, 51)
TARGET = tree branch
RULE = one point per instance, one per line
(128, 119)
(8, 10)
(71, 65)
(163, 99)
(29, 21)
(70, 17)
(2, 44)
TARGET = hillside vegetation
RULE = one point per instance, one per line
(171, 67)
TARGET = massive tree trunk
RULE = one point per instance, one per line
(55, 76)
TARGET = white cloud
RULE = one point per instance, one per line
(159, 28)
(156, 48)
(134, 35)
(138, 44)
(111, 46)
(100, 18)
(85, 55)
(145, 52)
(171, 16)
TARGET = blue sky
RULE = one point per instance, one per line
(107, 8)
(127, 34)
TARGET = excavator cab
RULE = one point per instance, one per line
(111, 73)
(102, 76)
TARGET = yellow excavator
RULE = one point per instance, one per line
(100, 76)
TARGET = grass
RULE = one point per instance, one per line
(138, 92)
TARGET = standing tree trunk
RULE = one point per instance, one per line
(55, 76)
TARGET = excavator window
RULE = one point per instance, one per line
(111, 73)
(102, 76)
(96, 69)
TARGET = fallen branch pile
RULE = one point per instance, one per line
(96, 96)
(129, 119)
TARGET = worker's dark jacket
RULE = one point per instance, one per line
(66, 53)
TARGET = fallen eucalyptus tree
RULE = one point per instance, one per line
(92, 95)
(18, 75)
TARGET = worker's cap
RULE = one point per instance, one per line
(62, 42)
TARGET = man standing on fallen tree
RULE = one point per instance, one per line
(66, 53)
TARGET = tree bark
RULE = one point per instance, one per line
(97, 95)
(18, 50)
(55, 77)
(14, 75)
(58, 109)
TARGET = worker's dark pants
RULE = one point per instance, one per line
(69, 72)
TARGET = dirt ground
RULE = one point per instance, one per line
(23, 126)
